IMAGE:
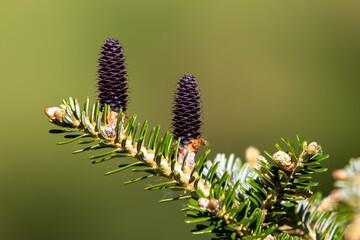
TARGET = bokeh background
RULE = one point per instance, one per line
(266, 69)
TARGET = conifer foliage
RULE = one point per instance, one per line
(226, 197)
(112, 76)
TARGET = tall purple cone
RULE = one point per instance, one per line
(112, 76)
(187, 110)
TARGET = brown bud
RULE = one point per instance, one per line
(193, 145)
(112, 116)
(213, 204)
(284, 161)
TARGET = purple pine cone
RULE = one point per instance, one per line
(112, 76)
(187, 110)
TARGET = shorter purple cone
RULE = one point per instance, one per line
(187, 110)
(112, 76)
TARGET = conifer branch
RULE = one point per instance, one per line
(217, 192)
(226, 197)
(113, 131)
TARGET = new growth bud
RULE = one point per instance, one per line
(112, 76)
(284, 161)
(312, 148)
(187, 110)
(203, 203)
(55, 113)
(211, 204)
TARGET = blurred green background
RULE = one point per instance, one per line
(266, 69)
